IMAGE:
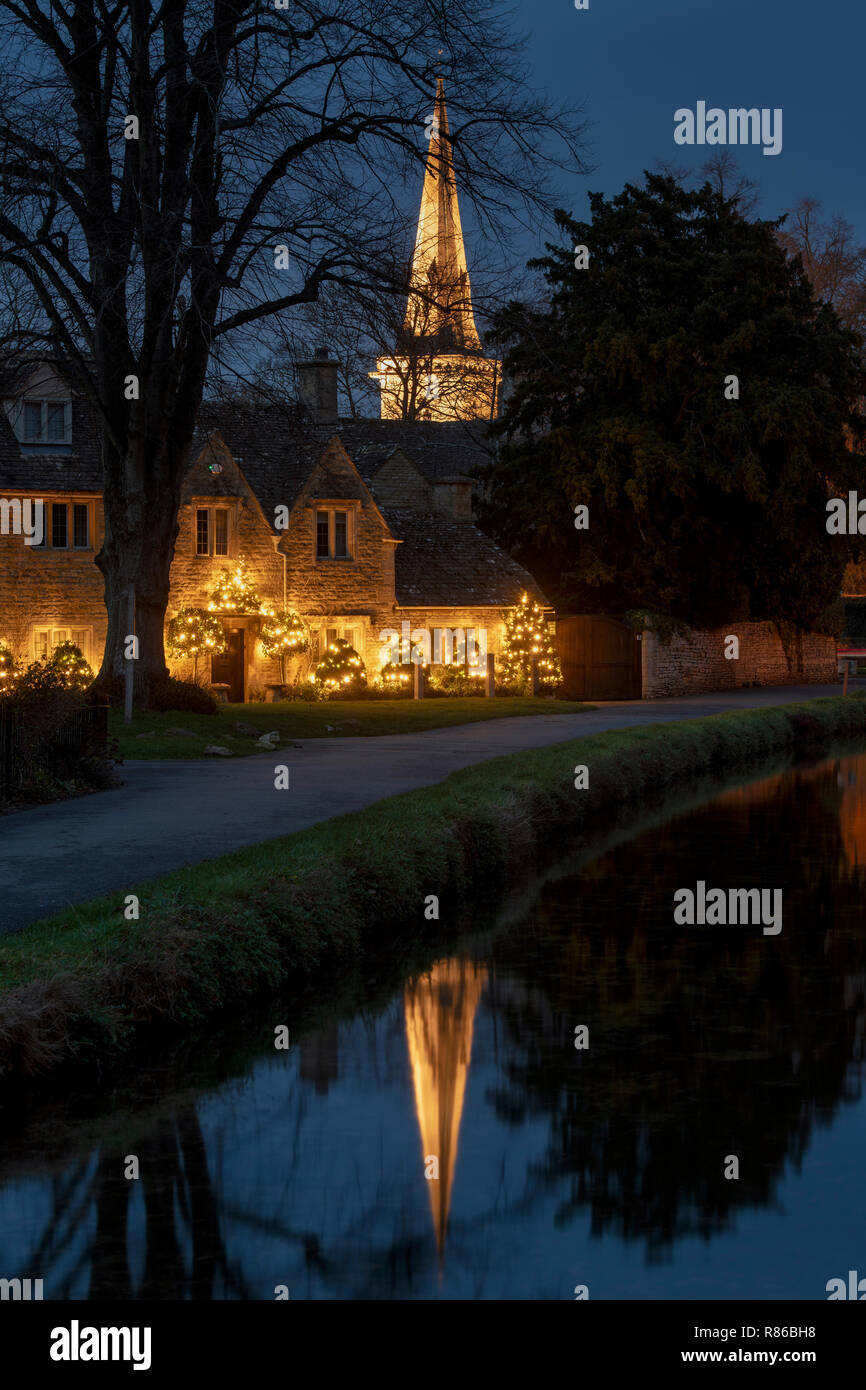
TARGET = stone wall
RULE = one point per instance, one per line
(695, 661)
(43, 587)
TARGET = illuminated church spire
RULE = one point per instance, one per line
(440, 303)
(439, 371)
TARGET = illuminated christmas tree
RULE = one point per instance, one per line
(8, 668)
(528, 634)
(341, 669)
(282, 635)
(194, 632)
(68, 662)
(235, 592)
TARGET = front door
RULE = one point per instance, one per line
(228, 668)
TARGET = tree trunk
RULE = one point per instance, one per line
(141, 529)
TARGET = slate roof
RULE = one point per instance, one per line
(79, 470)
(276, 447)
(451, 564)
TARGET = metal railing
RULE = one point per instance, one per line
(83, 733)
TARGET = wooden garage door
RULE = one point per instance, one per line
(600, 659)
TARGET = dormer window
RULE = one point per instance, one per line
(333, 534)
(45, 421)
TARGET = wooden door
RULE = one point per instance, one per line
(228, 667)
(600, 658)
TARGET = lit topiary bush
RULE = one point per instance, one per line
(282, 635)
(341, 670)
(68, 662)
(194, 632)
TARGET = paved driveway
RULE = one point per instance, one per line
(173, 813)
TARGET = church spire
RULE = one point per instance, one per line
(439, 309)
(439, 371)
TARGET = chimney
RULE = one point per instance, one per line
(318, 387)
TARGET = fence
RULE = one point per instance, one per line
(82, 733)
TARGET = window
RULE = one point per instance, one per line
(59, 514)
(45, 422)
(80, 526)
(55, 526)
(341, 535)
(333, 535)
(45, 639)
(212, 530)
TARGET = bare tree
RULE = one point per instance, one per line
(832, 260)
(171, 175)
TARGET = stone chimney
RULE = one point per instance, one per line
(318, 387)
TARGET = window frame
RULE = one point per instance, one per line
(43, 437)
(332, 510)
(68, 629)
(211, 510)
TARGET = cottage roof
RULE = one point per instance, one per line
(445, 563)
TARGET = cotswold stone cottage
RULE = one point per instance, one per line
(364, 526)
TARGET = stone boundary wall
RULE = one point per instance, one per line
(694, 662)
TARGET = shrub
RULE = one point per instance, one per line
(341, 671)
(453, 680)
(68, 661)
(395, 680)
(169, 693)
(8, 668)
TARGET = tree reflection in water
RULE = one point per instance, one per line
(704, 1042)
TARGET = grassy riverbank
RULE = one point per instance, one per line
(180, 734)
(86, 987)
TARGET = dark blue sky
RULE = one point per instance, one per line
(631, 63)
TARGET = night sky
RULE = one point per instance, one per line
(631, 63)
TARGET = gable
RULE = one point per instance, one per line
(398, 483)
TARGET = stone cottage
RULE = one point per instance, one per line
(365, 527)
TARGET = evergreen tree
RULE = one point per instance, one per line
(528, 636)
(705, 497)
(235, 591)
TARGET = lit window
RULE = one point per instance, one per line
(47, 639)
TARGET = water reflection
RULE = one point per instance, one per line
(555, 1166)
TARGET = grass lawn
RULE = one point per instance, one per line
(151, 736)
